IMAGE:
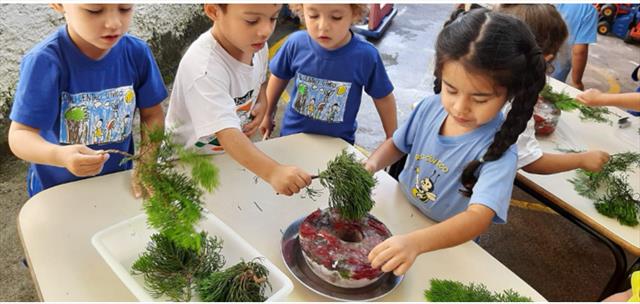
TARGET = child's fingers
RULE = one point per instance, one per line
(136, 188)
(376, 250)
(402, 269)
(392, 264)
(91, 160)
(382, 258)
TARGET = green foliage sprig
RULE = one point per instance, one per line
(170, 269)
(610, 190)
(453, 291)
(243, 282)
(349, 185)
(174, 205)
(565, 103)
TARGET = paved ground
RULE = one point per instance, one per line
(551, 254)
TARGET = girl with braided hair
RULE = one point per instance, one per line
(483, 60)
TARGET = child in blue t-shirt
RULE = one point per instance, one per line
(331, 66)
(461, 155)
(77, 94)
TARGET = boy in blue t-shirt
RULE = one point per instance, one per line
(77, 93)
(330, 66)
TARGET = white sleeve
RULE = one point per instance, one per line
(528, 147)
(211, 107)
(264, 63)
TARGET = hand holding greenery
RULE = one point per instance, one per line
(609, 189)
(349, 185)
(566, 103)
(452, 291)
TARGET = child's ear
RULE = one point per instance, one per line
(57, 7)
(212, 11)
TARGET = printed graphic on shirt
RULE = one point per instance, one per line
(425, 186)
(90, 118)
(244, 106)
(321, 99)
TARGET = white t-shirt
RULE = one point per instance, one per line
(528, 147)
(212, 91)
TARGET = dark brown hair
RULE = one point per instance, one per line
(545, 23)
(503, 48)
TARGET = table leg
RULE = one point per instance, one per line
(619, 274)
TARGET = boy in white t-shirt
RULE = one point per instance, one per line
(219, 91)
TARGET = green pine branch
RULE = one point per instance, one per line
(609, 189)
(170, 269)
(243, 282)
(453, 291)
(349, 185)
(565, 103)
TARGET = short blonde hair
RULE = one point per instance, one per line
(359, 10)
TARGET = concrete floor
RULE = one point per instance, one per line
(554, 256)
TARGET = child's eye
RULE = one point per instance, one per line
(94, 12)
(452, 92)
(337, 18)
(125, 9)
(313, 16)
(274, 19)
(251, 22)
(481, 100)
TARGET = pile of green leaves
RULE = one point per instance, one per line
(349, 185)
(610, 190)
(453, 291)
(565, 103)
(170, 269)
(243, 282)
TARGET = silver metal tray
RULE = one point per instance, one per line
(293, 259)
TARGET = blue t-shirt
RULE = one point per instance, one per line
(431, 176)
(582, 23)
(326, 95)
(74, 99)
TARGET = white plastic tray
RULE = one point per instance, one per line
(121, 244)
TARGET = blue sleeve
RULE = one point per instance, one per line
(405, 135)
(495, 183)
(150, 88)
(586, 30)
(280, 65)
(36, 102)
(378, 85)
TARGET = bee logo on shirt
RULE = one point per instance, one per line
(424, 187)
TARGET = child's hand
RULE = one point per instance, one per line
(81, 161)
(590, 97)
(266, 127)
(257, 113)
(396, 254)
(288, 180)
(369, 166)
(593, 161)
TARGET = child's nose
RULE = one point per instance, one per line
(113, 22)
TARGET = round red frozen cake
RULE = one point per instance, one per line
(336, 249)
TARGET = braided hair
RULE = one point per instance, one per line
(503, 48)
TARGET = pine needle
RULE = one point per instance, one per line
(609, 189)
(453, 291)
(243, 282)
(349, 185)
(170, 269)
(565, 103)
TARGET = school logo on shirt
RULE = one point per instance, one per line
(102, 117)
(425, 185)
(321, 99)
